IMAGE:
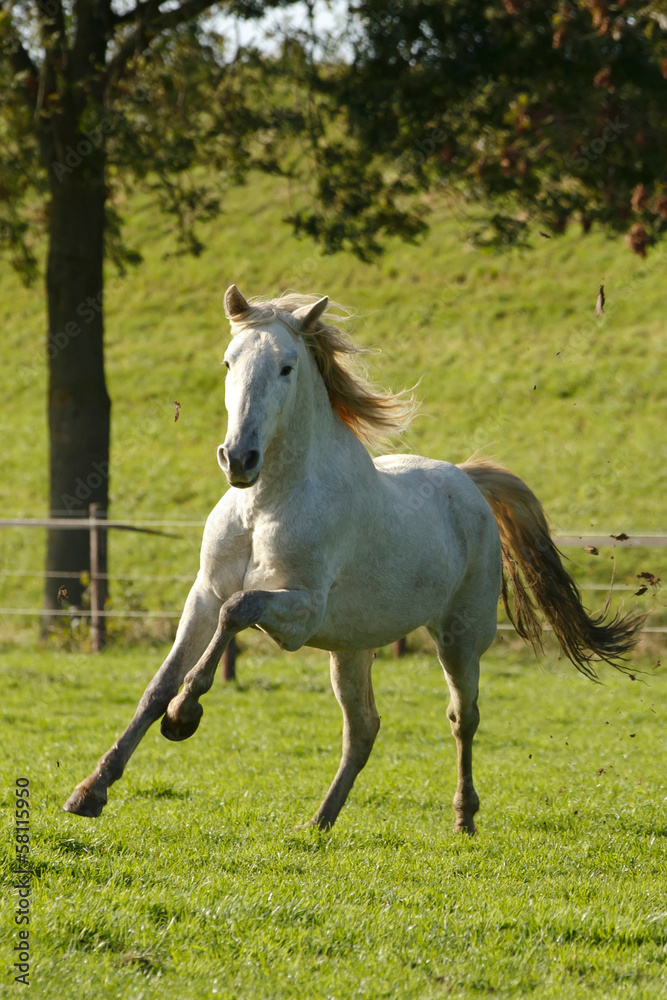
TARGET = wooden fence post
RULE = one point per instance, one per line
(98, 586)
(229, 661)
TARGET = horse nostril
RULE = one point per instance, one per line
(238, 465)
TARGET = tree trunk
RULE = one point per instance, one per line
(72, 140)
(78, 403)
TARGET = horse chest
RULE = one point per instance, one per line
(279, 558)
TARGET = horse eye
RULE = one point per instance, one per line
(226, 364)
(286, 370)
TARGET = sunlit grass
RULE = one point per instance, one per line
(195, 883)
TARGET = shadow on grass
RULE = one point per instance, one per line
(143, 961)
(161, 792)
(73, 846)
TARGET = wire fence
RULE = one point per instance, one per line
(157, 526)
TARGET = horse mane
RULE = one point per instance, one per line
(371, 412)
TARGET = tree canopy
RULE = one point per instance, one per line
(557, 111)
(151, 90)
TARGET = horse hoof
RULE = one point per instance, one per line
(175, 728)
(317, 822)
(86, 802)
(465, 826)
(310, 824)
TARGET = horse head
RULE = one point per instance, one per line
(262, 361)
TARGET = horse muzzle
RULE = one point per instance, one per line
(241, 466)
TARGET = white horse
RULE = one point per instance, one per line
(318, 544)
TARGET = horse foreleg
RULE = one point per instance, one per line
(184, 712)
(351, 681)
(194, 630)
(289, 616)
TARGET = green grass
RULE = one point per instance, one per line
(194, 882)
(511, 357)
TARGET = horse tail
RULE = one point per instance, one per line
(533, 565)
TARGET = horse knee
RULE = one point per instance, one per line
(241, 610)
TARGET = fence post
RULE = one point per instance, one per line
(229, 661)
(399, 648)
(97, 582)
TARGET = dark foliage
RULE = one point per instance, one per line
(557, 110)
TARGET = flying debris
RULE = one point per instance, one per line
(599, 305)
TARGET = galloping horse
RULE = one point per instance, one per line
(318, 544)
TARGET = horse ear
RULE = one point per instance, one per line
(309, 315)
(235, 304)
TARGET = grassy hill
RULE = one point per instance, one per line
(511, 357)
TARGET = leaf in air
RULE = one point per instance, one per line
(599, 305)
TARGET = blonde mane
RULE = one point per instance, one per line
(372, 413)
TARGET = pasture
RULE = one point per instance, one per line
(195, 883)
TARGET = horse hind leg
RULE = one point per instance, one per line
(460, 662)
(351, 682)
(463, 715)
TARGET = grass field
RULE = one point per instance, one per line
(194, 882)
